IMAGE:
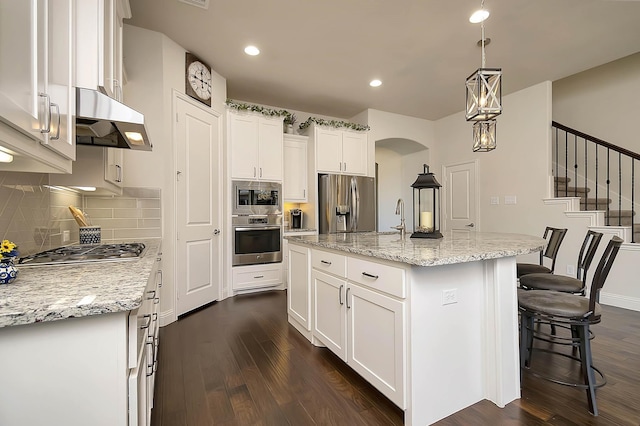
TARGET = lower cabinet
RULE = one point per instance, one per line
(257, 276)
(360, 322)
(299, 288)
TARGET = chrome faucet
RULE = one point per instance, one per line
(400, 211)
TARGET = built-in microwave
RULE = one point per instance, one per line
(253, 197)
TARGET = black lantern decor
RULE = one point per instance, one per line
(426, 206)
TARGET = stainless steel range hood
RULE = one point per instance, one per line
(103, 121)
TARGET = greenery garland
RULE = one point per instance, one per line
(238, 106)
(291, 118)
(334, 123)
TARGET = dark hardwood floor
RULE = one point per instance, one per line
(238, 362)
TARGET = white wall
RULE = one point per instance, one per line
(520, 166)
(155, 68)
(602, 102)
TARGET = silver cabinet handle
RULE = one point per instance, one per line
(254, 172)
(260, 171)
(118, 173)
(259, 276)
(153, 355)
(345, 166)
(347, 297)
(152, 293)
(304, 193)
(159, 282)
(325, 262)
(156, 300)
(57, 108)
(370, 276)
(46, 127)
(340, 294)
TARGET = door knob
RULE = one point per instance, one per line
(216, 231)
(471, 225)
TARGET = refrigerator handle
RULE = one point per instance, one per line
(355, 204)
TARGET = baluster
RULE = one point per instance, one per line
(608, 184)
(619, 189)
(575, 165)
(566, 162)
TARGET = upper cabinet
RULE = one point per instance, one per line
(256, 146)
(340, 151)
(295, 169)
(37, 97)
(99, 50)
(96, 167)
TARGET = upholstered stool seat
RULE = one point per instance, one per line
(531, 268)
(551, 282)
(557, 304)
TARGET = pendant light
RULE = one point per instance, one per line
(484, 97)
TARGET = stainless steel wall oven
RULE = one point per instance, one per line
(257, 239)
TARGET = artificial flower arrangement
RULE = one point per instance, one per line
(8, 249)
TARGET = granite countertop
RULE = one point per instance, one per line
(288, 230)
(49, 293)
(455, 247)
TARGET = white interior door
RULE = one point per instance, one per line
(198, 203)
(461, 195)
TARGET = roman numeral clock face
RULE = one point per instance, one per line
(198, 84)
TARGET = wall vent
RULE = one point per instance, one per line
(204, 4)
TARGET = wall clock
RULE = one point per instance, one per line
(198, 79)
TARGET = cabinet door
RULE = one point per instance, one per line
(295, 171)
(61, 90)
(299, 293)
(329, 319)
(328, 145)
(285, 262)
(376, 329)
(113, 171)
(270, 149)
(23, 64)
(354, 153)
(243, 135)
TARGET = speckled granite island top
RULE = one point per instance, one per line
(455, 247)
(49, 293)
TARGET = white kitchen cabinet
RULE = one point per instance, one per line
(97, 167)
(256, 276)
(256, 147)
(299, 288)
(100, 64)
(295, 186)
(37, 97)
(340, 151)
(354, 317)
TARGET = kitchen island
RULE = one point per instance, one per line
(78, 342)
(432, 324)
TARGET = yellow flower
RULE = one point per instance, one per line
(7, 246)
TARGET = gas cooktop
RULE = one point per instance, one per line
(85, 253)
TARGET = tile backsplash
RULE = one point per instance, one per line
(35, 215)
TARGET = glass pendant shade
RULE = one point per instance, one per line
(484, 94)
(426, 206)
(484, 136)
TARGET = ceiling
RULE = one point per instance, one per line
(319, 56)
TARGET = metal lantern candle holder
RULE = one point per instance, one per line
(426, 206)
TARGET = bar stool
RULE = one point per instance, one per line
(554, 237)
(546, 281)
(570, 311)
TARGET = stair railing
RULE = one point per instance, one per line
(585, 152)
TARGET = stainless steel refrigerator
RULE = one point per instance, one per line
(346, 203)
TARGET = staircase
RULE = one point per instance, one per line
(611, 217)
(601, 174)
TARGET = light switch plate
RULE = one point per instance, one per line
(494, 200)
(510, 199)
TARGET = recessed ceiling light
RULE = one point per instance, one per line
(479, 16)
(251, 50)
(375, 83)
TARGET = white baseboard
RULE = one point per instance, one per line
(626, 302)
(167, 317)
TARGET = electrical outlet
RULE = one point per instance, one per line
(449, 296)
(510, 199)
(66, 236)
(571, 270)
